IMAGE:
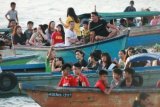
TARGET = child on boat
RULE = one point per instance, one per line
(80, 79)
(13, 14)
(117, 77)
(51, 55)
(67, 79)
(102, 83)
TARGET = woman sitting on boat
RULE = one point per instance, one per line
(57, 38)
(106, 62)
(18, 37)
(38, 38)
(71, 16)
(93, 63)
(57, 64)
(129, 80)
(51, 56)
(143, 100)
(50, 31)
(121, 55)
(66, 79)
(80, 79)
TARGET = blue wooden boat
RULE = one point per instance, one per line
(17, 59)
(68, 53)
(139, 36)
(49, 96)
(150, 76)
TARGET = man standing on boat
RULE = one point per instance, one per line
(98, 28)
(130, 8)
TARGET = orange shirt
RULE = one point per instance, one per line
(82, 78)
(67, 81)
(99, 84)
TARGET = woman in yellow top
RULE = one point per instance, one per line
(71, 16)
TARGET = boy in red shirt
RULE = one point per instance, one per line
(67, 79)
(80, 79)
(102, 83)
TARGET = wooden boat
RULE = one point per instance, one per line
(150, 75)
(17, 59)
(142, 35)
(24, 68)
(68, 53)
(48, 96)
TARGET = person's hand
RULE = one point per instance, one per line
(60, 19)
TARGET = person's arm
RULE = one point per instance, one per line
(6, 15)
(17, 18)
(31, 40)
(49, 52)
(66, 24)
(72, 40)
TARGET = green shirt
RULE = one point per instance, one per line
(47, 65)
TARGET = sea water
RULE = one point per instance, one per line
(43, 11)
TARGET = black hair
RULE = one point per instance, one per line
(142, 96)
(95, 13)
(81, 52)
(49, 27)
(94, 55)
(144, 51)
(78, 65)
(61, 59)
(43, 27)
(103, 72)
(131, 2)
(98, 53)
(118, 71)
(108, 57)
(123, 51)
(66, 65)
(62, 31)
(122, 21)
(85, 22)
(130, 71)
(30, 22)
(71, 12)
(13, 3)
(2, 43)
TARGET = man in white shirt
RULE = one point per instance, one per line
(70, 35)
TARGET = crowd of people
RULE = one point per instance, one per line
(95, 30)
(53, 34)
(100, 62)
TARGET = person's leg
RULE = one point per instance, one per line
(98, 38)
(92, 37)
(112, 33)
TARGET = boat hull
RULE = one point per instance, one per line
(47, 96)
(150, 77)
(68, 53)
(17, 60)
